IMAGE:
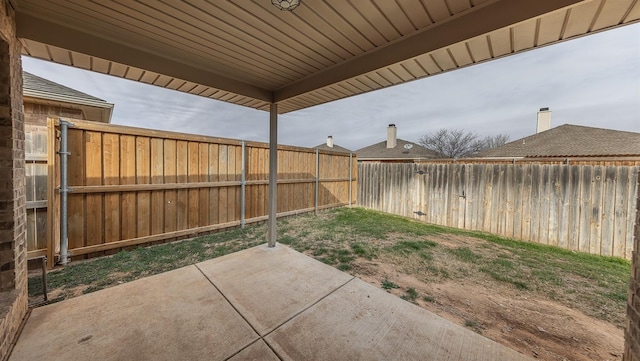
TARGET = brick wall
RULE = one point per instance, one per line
(13, 272)
(632, 333)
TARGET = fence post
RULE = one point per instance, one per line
(243, 177)
(64, 191)
(350, 177)
(52, 170)
(317, 179)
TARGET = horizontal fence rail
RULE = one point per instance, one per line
(588, 208)
(129, 186)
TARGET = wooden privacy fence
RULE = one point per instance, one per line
(578, 207)
(131, 186)
(36, 157)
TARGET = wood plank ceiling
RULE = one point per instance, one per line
(249, 53)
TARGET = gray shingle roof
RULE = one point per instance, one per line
(570, 141)
(33, 84)
(380, 151)
(336, 148)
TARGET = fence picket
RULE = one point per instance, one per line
(143, 176)
(631, 209)
(576, 183)
(170, 196)
(111, 175)
(620, 212)
(477, 194)
(608, 211)
(157, 177)
(128, 208)
(518, 191)
(182, 176)
(94, 232)
(562, 196)
(487, 220)
(203, 176)
(554, 197)
(508, 184)
(595, 238)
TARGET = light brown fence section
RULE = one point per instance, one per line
(130, 186)
(577, 207)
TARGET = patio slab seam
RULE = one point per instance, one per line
(251, 344)
(241, 315)
(273, 329)
(306, 308)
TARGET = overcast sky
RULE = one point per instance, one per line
(592, 81)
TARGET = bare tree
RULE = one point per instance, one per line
(495, 141)
(452, 143)
(458, 143)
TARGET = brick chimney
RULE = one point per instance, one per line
(544, 120)
(392, 136)
(330, 141)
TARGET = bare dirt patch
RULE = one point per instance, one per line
(534, 326)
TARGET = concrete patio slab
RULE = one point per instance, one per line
(258, 351)
(362, 322)
(176, 315)
(269, 286)
(257, 304)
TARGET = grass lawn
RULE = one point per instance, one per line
(346, 237)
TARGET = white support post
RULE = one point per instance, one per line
(273, 174)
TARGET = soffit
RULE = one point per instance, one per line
(249, 53)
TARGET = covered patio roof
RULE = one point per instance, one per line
(252, 54)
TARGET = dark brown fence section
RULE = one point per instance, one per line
(577, 207)
(131, 186)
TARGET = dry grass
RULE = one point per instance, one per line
(594, 285)
(346, 237)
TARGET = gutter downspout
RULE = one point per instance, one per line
(64, 191)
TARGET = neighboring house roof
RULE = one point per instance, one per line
(335, 148)
(570, 141)
(45, 91)
(379, 151)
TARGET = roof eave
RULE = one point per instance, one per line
(66, 99)
(105, 109)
